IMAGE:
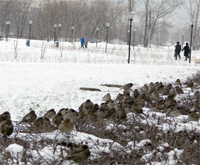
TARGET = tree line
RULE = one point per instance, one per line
(152, 20)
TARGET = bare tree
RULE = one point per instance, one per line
(5, 13)
(20, 15)
(145, 39)
(194, 11)
(86, 17)
(156, 13)
(130, 5)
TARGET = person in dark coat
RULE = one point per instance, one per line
(177, 51)
(82, 42)
(186, 51)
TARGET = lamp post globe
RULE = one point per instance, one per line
(107, 25)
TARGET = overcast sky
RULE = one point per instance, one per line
(182, 15)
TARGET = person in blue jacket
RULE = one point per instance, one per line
(82, 42)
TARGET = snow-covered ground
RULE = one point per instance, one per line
(42, 76)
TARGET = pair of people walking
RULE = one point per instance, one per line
(186, 50)
(84, 42)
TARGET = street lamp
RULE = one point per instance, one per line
(7, 29)
(107, 26)
(55, 26)
(129, 43)
(191, 35)
(72, 34)
(30, 24)
(59, 27)
(97, 33)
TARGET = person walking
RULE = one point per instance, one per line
(82, 42)
(186, 50)
(86, 43)
(177, 51)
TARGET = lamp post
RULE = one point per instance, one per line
(72, 33)
(107, 26)
(7, 29)
(55, 26)
(59, 27)
(191, 35)
(97, 33)
(129, 43)
(30, 24)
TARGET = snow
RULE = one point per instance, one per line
(57, 85)
(15, 148)
(171, 155)
(41, 77)
(140, 145)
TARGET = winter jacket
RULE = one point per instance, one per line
(82, 41)
(177, 48)
(186, 50)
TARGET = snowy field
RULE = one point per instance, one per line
(29, 81)
(42, 76)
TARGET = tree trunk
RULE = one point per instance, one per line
(145, 38)
(195, 37)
